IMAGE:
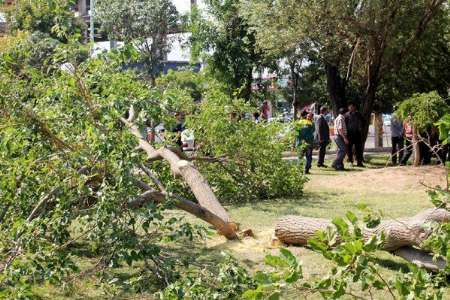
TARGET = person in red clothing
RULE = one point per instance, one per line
(409, 132)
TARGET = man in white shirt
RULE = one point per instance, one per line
(340, 139)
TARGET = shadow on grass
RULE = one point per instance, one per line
(393, 265)
(289, 205)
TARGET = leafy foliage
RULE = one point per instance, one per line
(54, 18)
(444, 128)
(230, 281)
(69, 171)
(144, 23)
(252, 166)
(234, 55)
(425, 109)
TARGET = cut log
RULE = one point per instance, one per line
(399, 233)
(206, 198)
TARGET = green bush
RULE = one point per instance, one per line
(252, 167)
(425, 109)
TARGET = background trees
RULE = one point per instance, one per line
(54, 18)
(147, 24)
(224, 40)
(359, 43)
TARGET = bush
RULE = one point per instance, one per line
(425, 109)
(252, 166)
(243, 159)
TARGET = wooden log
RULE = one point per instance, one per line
(404, 233)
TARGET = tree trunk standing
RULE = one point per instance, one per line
(295, 99)
(416, 147)
(378, 126)
(336, 88)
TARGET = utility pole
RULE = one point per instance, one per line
(91, 20)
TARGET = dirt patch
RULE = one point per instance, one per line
(395, 179)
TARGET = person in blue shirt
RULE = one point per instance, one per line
(305, 138)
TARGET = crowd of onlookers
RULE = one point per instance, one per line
(313, 132)
(349, 127)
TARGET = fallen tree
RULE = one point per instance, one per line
(208, 208)
(403, 237)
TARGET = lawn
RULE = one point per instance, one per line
(395, 191)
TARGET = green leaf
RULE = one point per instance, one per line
(275, 261)
(290, 258)
(351, 217)
(252, 294)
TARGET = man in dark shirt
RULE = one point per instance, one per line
(355, 122)
(322, 136)
(178, 128)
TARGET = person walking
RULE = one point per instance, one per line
(340, 139)
(397, 140)
(322, 136)
(408, 133)
(355, 122)
(305, 127)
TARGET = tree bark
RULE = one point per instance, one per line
(197, 183)
(336, 88)
(378, 126)
(416, 147)
(151, 195)
(405, 232)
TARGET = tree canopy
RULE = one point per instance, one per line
(147, 24)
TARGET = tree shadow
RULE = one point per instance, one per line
(393, 265)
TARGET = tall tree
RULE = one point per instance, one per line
(224, 39)
(146, 24)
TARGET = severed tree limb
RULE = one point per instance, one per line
(151, 195)
(401, 235)
(193, 178)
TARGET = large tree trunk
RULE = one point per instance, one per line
(336, 88)
(400, 233)
(378, 127)
(192, 177)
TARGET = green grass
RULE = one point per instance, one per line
(395, 192)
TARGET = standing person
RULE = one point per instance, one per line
(266, 110)
(408, 149)
(340, 139)
(322, 136)
(396, 139)
(178, 128)
(355, 123)
(305, 138)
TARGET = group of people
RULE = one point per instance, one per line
(402, 135)
(315, 132)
